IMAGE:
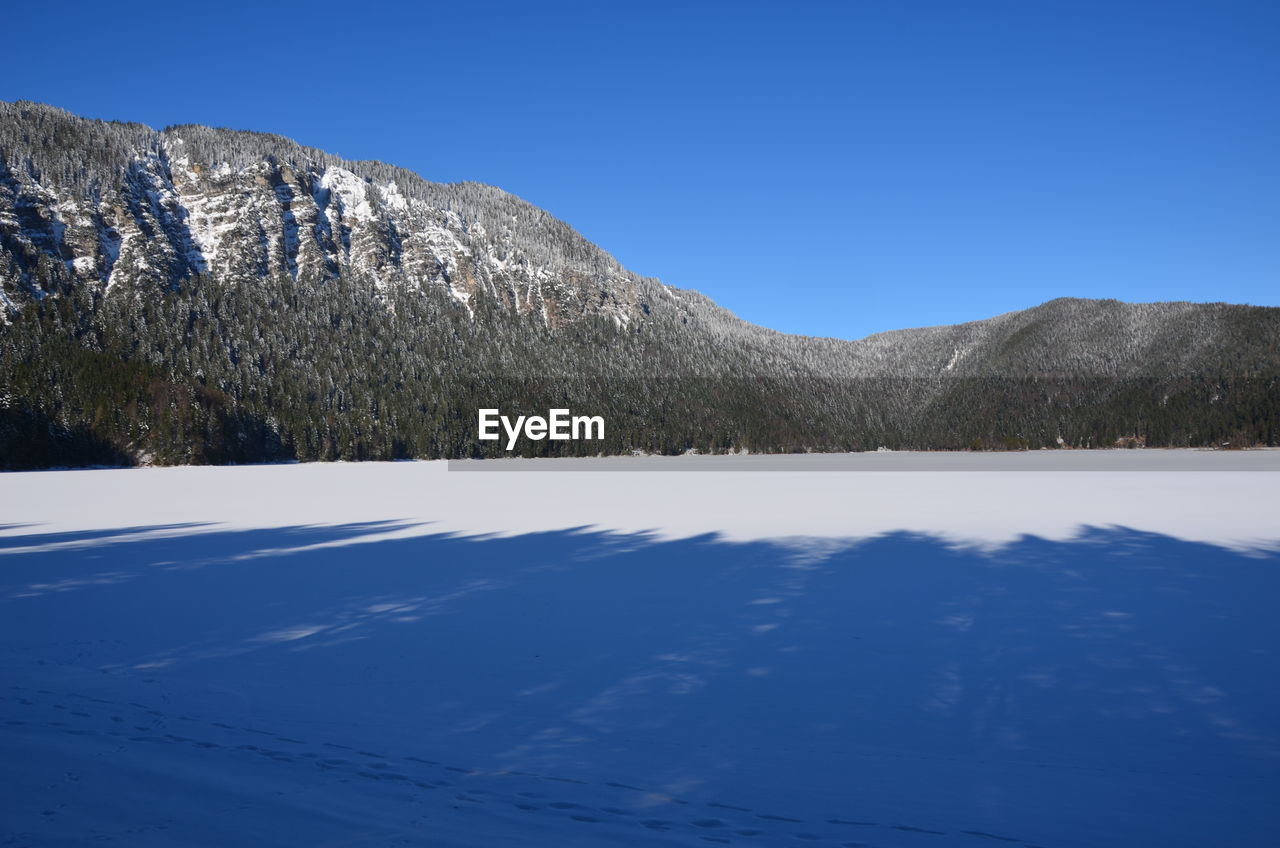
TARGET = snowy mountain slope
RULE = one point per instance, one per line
(119, 203)
(203, 295)
(153, 208)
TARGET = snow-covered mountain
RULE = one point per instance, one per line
(243, 271)
(99, 204)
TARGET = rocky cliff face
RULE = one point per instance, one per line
(150, 209)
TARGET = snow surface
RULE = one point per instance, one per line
(401, 653)
(350, 191)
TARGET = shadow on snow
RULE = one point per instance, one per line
(1119, 678)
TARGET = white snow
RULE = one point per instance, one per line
(113, 250)
(933, 493)
(392, 197)
(350, 190)
(421, 653)
(206, 225)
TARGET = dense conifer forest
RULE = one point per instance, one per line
(208, 296)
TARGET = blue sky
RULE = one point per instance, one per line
(830, 168)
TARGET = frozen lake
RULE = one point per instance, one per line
(809, 650)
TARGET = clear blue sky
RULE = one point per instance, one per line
(831, 168)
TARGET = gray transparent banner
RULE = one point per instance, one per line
(1116, 460)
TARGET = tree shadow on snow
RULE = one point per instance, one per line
(1115, 675)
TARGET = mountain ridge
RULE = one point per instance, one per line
(223, 274)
